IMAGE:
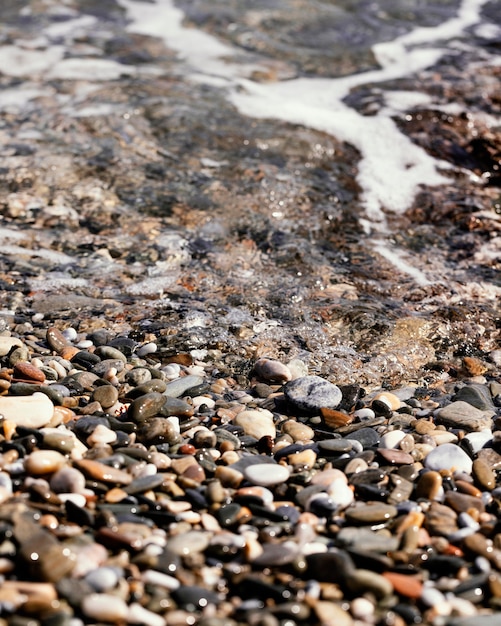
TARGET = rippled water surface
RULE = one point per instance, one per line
(285, 178)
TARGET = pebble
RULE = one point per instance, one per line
(166, 493)
(266, 474)
(257, 423)
(311, 393)
(449, 457)
(42, 462)
(461, 414)
(33, 411)
(371, 513)
(181, 386)
(105, 607)
(272, 371)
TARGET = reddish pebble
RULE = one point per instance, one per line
(187, 448)
(404, 585)
(28, 373)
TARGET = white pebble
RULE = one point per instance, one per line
(70, 334)
(85, 344)
(147, 348)
(139, 615)
(57, 367)
(391, 439)
(201, 400)
(76, 498)
(448, 457)
(340, 493)
(172, 371)
(160, 579)
(361, 608)
(266, 474)
(102, 579)
(105, 607)
(101, 434)
(365, 413)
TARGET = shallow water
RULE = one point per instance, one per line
(283, 178)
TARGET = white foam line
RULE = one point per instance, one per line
(396, 258)
(392, 168)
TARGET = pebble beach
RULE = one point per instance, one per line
(250, 359)
(138, 490)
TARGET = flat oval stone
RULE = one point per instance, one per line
(367, 436)
(145, 406)
(277, 554)
(181, 386)
(266, 474)
(32, 411)
(371, 513)
(256, 423)
(105, 607)
(395, 457)
(44, 462)
(336, 446)
(461, 414)
(311, 393)
(56, 340)
(102, 472)
(365, 581)
(28, 372)
(68, 480)
(449, 457)
(271, 370)
(106, 395)
(483, 474)
(298, 431)
(188, 543)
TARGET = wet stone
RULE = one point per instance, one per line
(483, 474)
(311, 393)
(395, 457)
(193, 598)
(106, 395)
(366, 540)
(182, 386)
(429, 485)
(449, 457)
(368, 437)
(56, 340)
(461, 414)
(145, 406)
(476, 395)
(370, 513)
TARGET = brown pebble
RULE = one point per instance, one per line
(440, 520)
(69, 352)
(483, 474)
(105, 473)
(462, 502)
(474, 366)
(56, 340)
(424, 426)
(28, 373)
(429, 485)
(468, 489)
(335, 419)
(394, 456)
